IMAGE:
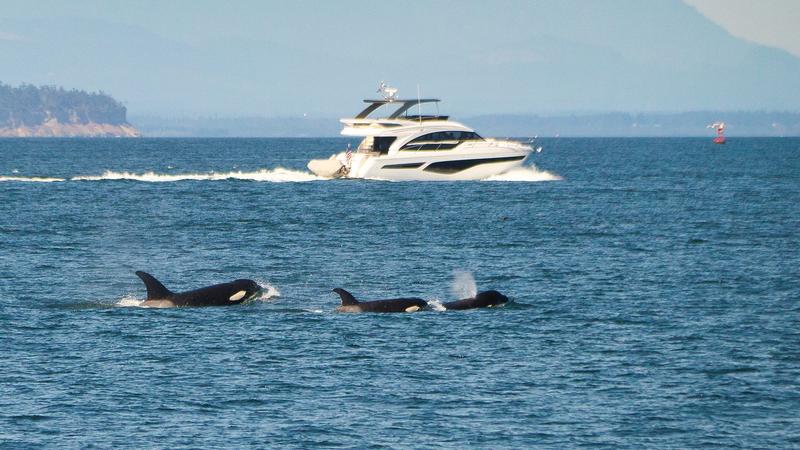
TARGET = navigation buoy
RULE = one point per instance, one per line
(720, 127)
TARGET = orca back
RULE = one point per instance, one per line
(219, 294)
(232, 293)
(350, 304)
(411, 304)
(482, 300)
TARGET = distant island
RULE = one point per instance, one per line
(49, 111)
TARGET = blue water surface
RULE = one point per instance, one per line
(655, 288)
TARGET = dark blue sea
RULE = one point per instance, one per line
(655, 288)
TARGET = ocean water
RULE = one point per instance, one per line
(655, 287)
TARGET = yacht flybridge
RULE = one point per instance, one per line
(405, 146)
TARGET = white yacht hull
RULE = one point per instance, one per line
(424, 147)
(424, 167)
(471, 163)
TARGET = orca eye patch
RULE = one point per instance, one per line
(237, 296)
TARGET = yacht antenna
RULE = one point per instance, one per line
(419, 106)
(389, 93)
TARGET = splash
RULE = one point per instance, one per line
(268, 291)
(464, 285)
(32, 179)
(436, 305)
(278, 175)
(129, 301)
(527, 173)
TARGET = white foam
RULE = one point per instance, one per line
(527, 173)
(436, 305)
(464, 285)
(268, 291)
(32, 179)
(129, 301)
(277, 175)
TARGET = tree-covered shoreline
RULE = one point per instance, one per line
(30, 106)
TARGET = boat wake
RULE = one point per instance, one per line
(31, 179)
(278, 175)
(526, 173)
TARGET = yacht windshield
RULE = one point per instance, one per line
(441, 140)
(393, 109)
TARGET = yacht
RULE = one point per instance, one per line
(401, 145)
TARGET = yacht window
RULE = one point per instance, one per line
(441, 140)
(382, 143)
(448, 136)
(379, 144)
(469, 136)
(431, 146)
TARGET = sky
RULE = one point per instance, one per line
(770, 22)
(278, 58)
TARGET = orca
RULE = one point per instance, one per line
(484, 299)
(233, 293)
(395, 305)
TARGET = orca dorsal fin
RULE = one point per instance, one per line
(347, 298)
(155, 290)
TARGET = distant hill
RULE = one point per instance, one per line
(551, 58)
(49, 111)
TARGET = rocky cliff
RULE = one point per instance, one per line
(52, 128)
(47, 111)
